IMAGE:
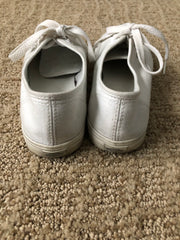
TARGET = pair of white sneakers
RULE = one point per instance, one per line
(54, 81)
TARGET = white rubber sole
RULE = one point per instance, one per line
(114, 146)
(60, 150)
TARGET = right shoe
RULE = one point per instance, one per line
(53, 88)
(120, 96)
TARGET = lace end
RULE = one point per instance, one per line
(164, 68)
(90, 53)
(11, 57)
(16, 54)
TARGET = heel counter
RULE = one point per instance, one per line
(35, 115)
(68, 119)
(102, 112)
(36, 121)
(132, 120)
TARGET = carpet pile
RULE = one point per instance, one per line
(91, 194)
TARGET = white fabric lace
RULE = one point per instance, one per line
(133, 30)
(50, 29)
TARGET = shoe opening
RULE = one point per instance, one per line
(55, 69)
(116, 73)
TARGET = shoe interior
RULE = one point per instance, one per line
(55, 69)
(116, 73)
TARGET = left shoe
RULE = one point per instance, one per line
(120, 96)
(53, 88)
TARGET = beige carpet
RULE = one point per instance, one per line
(91, 194)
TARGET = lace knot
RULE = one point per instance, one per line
(53, 30)
(61, 31)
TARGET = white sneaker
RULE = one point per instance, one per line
(120, 96)
(53, 90)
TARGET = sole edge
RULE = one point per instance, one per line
(114, 146)
(60, 150)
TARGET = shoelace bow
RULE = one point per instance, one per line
(50, 29)
(133, 30)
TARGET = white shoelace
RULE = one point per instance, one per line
(50, 29)
(133, 30)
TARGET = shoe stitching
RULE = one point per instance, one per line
(118, 120)
(49, 124)
(117, 97)
(115, 121)
(52, 122)
(121, 119)
(55, 120)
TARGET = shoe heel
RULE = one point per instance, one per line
(60, 150)
(114, 146)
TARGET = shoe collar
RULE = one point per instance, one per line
(102, 59)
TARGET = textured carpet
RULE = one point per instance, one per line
(91, 194)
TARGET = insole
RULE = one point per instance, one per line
(117, 75)
(54, 70)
